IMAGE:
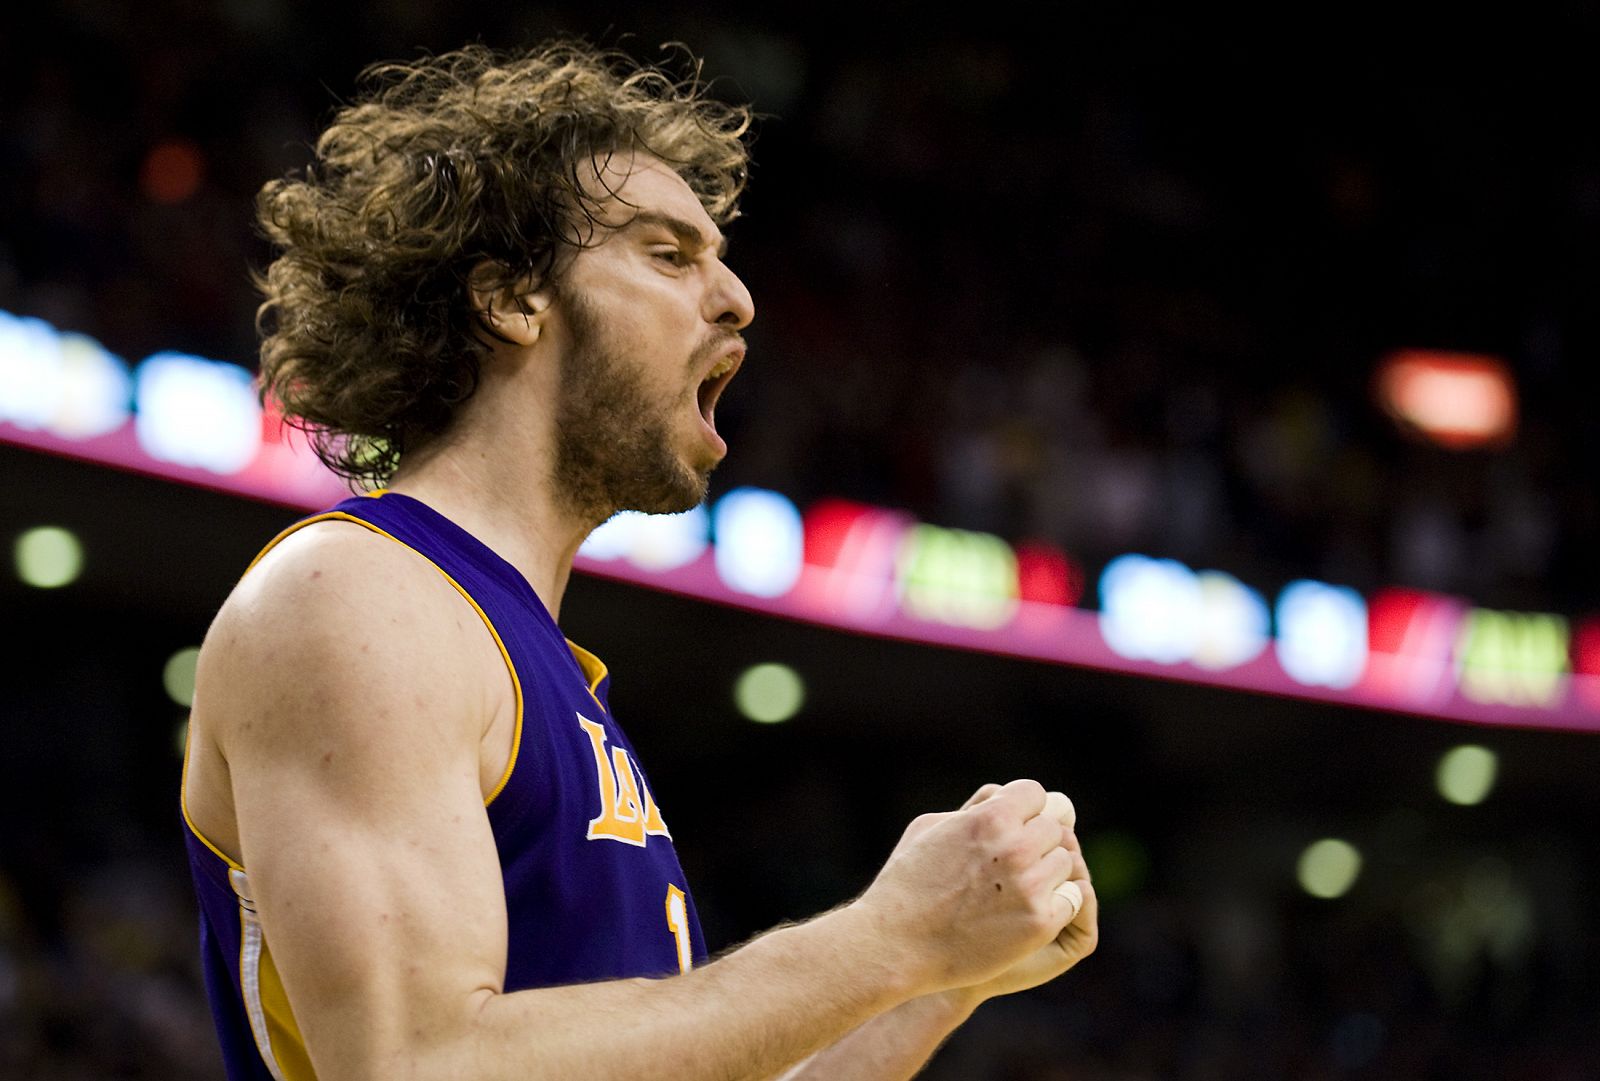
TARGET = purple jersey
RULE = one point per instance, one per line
(592, 883)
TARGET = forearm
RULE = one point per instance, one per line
(750, 1014)
(892, 1046)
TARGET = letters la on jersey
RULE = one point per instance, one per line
(627, 811)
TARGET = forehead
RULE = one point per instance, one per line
(627, 184)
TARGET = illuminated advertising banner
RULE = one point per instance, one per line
(870, 569)
(179, 417)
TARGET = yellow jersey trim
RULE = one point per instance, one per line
(277, 1034)
(594, 670)
(499, 643)
(183, 802)
(288, 1045)
(516, 684)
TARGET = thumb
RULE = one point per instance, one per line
(1068, 899)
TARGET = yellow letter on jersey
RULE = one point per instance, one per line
(625, 814)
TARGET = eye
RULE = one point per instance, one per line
(674, 256)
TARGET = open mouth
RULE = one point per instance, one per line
(712, 386)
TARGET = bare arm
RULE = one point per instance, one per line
(346, 688)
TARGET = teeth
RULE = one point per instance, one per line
(723, 367)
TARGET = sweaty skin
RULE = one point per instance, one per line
(352, 714)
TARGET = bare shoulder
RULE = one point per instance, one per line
(338, 597)
(339, 639)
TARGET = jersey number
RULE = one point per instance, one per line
(678, 924)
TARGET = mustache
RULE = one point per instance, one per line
(720, 341)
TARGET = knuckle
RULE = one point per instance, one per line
(989, 820)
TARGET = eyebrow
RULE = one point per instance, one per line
(685, 231)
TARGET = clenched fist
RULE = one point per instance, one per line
(974, 899)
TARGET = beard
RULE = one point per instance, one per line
(613, 439)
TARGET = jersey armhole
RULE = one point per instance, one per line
(499, 644)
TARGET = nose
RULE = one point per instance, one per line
(730, 302)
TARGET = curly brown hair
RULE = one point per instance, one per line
(469, 159)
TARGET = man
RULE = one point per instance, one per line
(423, 847)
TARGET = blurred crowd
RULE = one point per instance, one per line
(1116, 280)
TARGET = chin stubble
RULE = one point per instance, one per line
(613, 450)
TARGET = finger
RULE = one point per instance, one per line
(988, 791)
(1081, 868)
(1041, 835)
(1054, 869)
(1023, 796)
(1059, 807)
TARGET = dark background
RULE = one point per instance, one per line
(1119, 279)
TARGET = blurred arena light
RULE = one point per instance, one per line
(1586, 659)
(1160, 610)
(197, 412)
(652, 542)
(1328, 868)
(1457, 400)
(1234, 622)
(850, 552)
(760, 541)
(172, 171)
(1120, 862)
(1412, 636)
(769, 693)
(177, 675)
(1047, 575)
(1322, 633)
(1466, 774)
(1150, 609)
(957, 576)
(48, 557)
(63, 383)
(1519, 658)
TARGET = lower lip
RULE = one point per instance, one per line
(711, 435)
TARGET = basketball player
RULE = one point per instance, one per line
(423, 847)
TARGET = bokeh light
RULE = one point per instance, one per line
(769, 693)
(1118, 862)
(172, 171)
(1466, 774)
(48, 557)
(178, 675)
(1329, 867)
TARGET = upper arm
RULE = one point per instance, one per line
(348, 676)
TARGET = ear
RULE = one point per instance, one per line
(513, 314)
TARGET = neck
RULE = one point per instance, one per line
(480, 482)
